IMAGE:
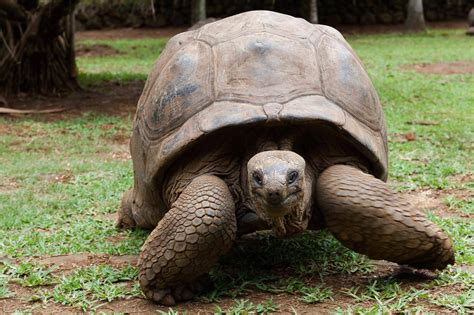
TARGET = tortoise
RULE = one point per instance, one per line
(263, 121)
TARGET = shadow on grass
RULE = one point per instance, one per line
(263, 262)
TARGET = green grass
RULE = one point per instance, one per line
(86, 287)
(134, 61)
(27, 274)
(440, 150)
(59, 182)
(245, 307)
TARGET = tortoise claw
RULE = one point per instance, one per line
(170, 296)
(167, 300)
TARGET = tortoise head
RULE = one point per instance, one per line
(278, 186)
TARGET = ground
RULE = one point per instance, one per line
(63, 175)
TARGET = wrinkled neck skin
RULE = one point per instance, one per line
(297, 220)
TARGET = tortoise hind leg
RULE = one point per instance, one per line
(132, 214)
(125, 217)
(368, 217)
(187, 242)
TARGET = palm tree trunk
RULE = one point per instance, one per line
(198, 11)
(415, 21)
(313, 11)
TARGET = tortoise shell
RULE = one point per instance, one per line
(253, 68)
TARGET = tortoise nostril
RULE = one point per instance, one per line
(274, 197)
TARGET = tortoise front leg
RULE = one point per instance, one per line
(199, 227)
(368, 217)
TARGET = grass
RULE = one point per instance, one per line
(85, 288)
(59, 182)
(133, 62)
(441, 150)
(27, 274)
(245, 307)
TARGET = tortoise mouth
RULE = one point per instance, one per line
(280, 208)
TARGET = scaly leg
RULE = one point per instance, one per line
(199, 227)
(368, 217)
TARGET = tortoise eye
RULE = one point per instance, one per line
(292, 177)
(257, 178)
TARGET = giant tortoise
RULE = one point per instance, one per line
(263, 121)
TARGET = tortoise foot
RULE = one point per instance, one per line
(125, 217)
(169, 296)
(188, 241)
(180, 293)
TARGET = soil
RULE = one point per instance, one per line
(443, 68)
(129, 33)
(97, 50)
(110, 98)
(65, 263)
(433, 200)
(8, 185)
(20, 301)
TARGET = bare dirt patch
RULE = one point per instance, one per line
(462, 178)
(110, 98)
(111, 217)
(443, 68)
(97, 50)
(434, 201)
(401, 137)
(118, 152)
(61, 178)
(426, 199)
(129, 33)
(65, 263)
(20, 301)
(8, 186)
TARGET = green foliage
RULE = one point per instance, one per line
(171, 312)
(4, 291)
(460, 231)
(461, 304)
(84, 287)
(465, 205)
(27, 274)
(245, 307)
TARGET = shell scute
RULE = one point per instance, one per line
(347, 84)
(261, 68)
(183, 87)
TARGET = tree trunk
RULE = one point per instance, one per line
(198, 11)
(415, 21)
(37, 51)
(313, 11)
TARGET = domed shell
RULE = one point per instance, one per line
(257, 67)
